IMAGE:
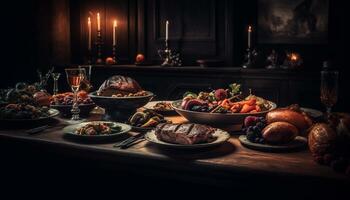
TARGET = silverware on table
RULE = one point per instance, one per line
(37, 129)
(130, 141)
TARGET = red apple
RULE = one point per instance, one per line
(110, 61)
(42, 98)
(140, 58)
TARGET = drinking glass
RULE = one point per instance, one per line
(86, 82)
(55, 77)
(74, 78)
(329, 89)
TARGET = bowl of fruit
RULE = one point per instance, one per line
(64, 102)
(221, 106)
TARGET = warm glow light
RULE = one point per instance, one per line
(250, 29)
(294, 57)
(89, 33)
(115, 23)
(98, 22)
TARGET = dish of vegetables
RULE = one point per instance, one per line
(224, 101)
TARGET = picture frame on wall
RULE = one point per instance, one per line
(293, 21)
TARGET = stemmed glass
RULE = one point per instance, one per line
(74, 77)
(55, 77)
(86, 83)
(329, 89)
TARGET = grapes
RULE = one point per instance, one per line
(253, 127)
(251, 136)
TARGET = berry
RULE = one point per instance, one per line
(250, 121)
(261, 140)
(251, 136)
(220, 94)
(257, 140)
(260, 125)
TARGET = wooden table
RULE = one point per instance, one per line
(220, 166)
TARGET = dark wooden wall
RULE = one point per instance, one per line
(198, 29)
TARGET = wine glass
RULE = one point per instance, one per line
(329, 89)
(55, 77)
(74, 77)
(86, 82)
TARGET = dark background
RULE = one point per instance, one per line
(38, 34)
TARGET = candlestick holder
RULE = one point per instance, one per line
(99, 43)
(170, 58)
(89, 57)
(248, 58)
(114, 54)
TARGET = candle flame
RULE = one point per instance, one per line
(250, 29)
(294, 57)
(89, 20)
(167, 22)
(115, 23)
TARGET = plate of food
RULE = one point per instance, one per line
(120, 96)
(25, 105)
(145, 120)
(162, 107)
(221, 106)
(283, 129)
(64, 102)
(186, 136)
(96, 130)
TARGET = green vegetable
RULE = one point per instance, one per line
(194, 95)
(235, 89)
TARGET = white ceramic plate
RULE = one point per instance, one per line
(221, 137)
(70, 131)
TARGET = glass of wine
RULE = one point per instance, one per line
(74, 77)
(329, 89)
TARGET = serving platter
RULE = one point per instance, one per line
(299, 143)
(19, 123)
(150, 105)
(216, 119)
(220, 135)
(69, 131)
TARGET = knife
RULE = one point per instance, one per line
(37, 129)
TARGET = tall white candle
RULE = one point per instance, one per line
(98, 22)
(89, 33)
(115, 25)
(249, 36)
(166, 30)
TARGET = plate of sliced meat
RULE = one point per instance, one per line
(186, 135)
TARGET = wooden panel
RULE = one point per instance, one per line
(198, 29)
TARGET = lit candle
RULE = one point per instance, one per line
(98, 22)
(249, 36)
(167, 30)
(89, 34)
(115, 25)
